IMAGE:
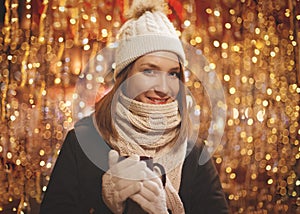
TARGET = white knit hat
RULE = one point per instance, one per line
(147, 30)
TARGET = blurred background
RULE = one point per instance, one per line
(253, 46)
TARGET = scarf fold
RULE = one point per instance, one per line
(152, 130)
(148, 125)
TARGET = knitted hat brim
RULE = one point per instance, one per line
(134, 47)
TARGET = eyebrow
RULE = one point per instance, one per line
(151, 65)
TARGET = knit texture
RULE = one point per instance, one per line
(148, 30)
(150, 130)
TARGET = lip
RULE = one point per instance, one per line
(154, 100)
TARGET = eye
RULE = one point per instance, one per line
(148, 71)
(174, 74)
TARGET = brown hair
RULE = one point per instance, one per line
(103, 107)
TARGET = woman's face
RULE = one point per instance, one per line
(154, 79)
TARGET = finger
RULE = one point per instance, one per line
(144, 203)
(130, 190)
(157, 170)
(122, 183)
(113, 157)
(126, 163)
(150, 175)
(133, 172)
(126, 180)
(150, 190)
(136, 170)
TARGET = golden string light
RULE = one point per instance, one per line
(252, 44)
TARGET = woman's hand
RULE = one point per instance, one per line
(152, 196)
(122, 180)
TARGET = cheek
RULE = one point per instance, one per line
(136, 85)
(175, 87)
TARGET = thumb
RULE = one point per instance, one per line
(113, 157)
(157, 170)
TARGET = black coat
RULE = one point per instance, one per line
(75, 185)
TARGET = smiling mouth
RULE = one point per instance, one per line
(158, 101)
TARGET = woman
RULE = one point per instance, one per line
(148, 162)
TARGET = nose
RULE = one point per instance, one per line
(162, 86)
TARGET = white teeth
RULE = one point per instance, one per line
(159, 100)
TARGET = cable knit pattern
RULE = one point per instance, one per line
(169, 25)
(108, 192)
(174, 202)
(151, 26)
(148, 30)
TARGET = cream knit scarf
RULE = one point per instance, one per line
(152, 130)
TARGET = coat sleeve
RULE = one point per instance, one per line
(62, 194)
(201, 188)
